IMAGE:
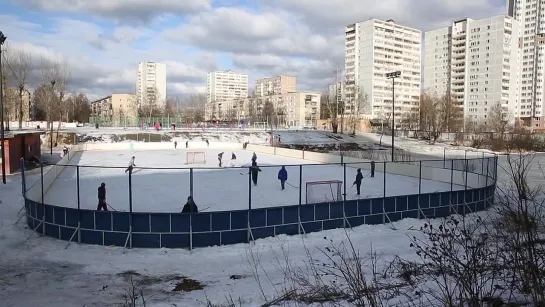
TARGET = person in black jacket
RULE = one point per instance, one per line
(102, 198)
(255, 169)
(220, 156)
(359, 178)
(175, 144)
(372, 169)
(190, 206)
(186, 144)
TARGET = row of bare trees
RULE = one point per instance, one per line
(346, 109)
(41, 84)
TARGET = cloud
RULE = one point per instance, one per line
(139, 11)
(303, 38)
(238, 30)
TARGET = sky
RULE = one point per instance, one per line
(102, 41)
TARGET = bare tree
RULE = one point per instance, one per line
(356, 106)
(149, 104)
(20, 66)
(410, 120)
(330, 106)
(497, 119)
(431, 119)
(452, 113)
(268, 113)
(252, 112)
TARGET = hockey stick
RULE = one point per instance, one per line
(111, 207)
(291, 185)
(205, 209)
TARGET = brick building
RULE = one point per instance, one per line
(20, 145)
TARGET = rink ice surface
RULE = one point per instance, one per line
(214, 189)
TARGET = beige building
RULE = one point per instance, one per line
(275, 86)
(118, 109)
(296, 109)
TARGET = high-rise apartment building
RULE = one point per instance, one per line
(275, 86)
(374, 48)
(151, 84)
(475, 61)
(226, 85)
(531, 17)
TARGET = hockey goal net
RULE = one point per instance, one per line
(195, 157)
(323, 191)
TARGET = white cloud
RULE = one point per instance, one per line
(303, 38)
(119, 10)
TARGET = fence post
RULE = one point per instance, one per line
(191, 182)
(482, 164)
(79, 204)
(300, 198)
(130, 208)
(419, 187)
(23, 181)
(344, 194)
(249, 234)
(466, 171)
(487, 162)
(42, 180)
(444, 157)
(384, 191)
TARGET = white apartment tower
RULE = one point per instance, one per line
(476, 62)
(151, 83)
(531, 17)
(374, 48)
(226, 85)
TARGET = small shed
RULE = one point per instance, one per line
(20, 144)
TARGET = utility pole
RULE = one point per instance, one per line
(3, 155)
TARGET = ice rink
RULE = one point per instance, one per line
(215, 189)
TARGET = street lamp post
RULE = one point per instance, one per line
(393, 76)
(2, 40)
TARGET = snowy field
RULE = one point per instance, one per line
(215, 189)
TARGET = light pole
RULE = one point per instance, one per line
(393, 76)
(2, 40)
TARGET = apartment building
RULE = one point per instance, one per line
(289, 110)
(374, 48)
(476, 62)
(151, 84)
(118, 110)
(531, 32)
(275, 86)
(298, 109)
(226, 85)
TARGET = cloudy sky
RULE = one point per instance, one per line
(103, 40)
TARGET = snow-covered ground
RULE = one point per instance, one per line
(39, 271)
(166, 190)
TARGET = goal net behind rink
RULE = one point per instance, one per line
(195, 157)
(323, 191)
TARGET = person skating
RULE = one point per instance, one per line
(190, 206)
(131, 165)
(186, 144)
(372, 169)
(254, 158)
(233, 159)
(359, 178)
(283, 176)
(175, 144)
(102, 198)
(220, 156)
(207, 143)
(255, 169)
